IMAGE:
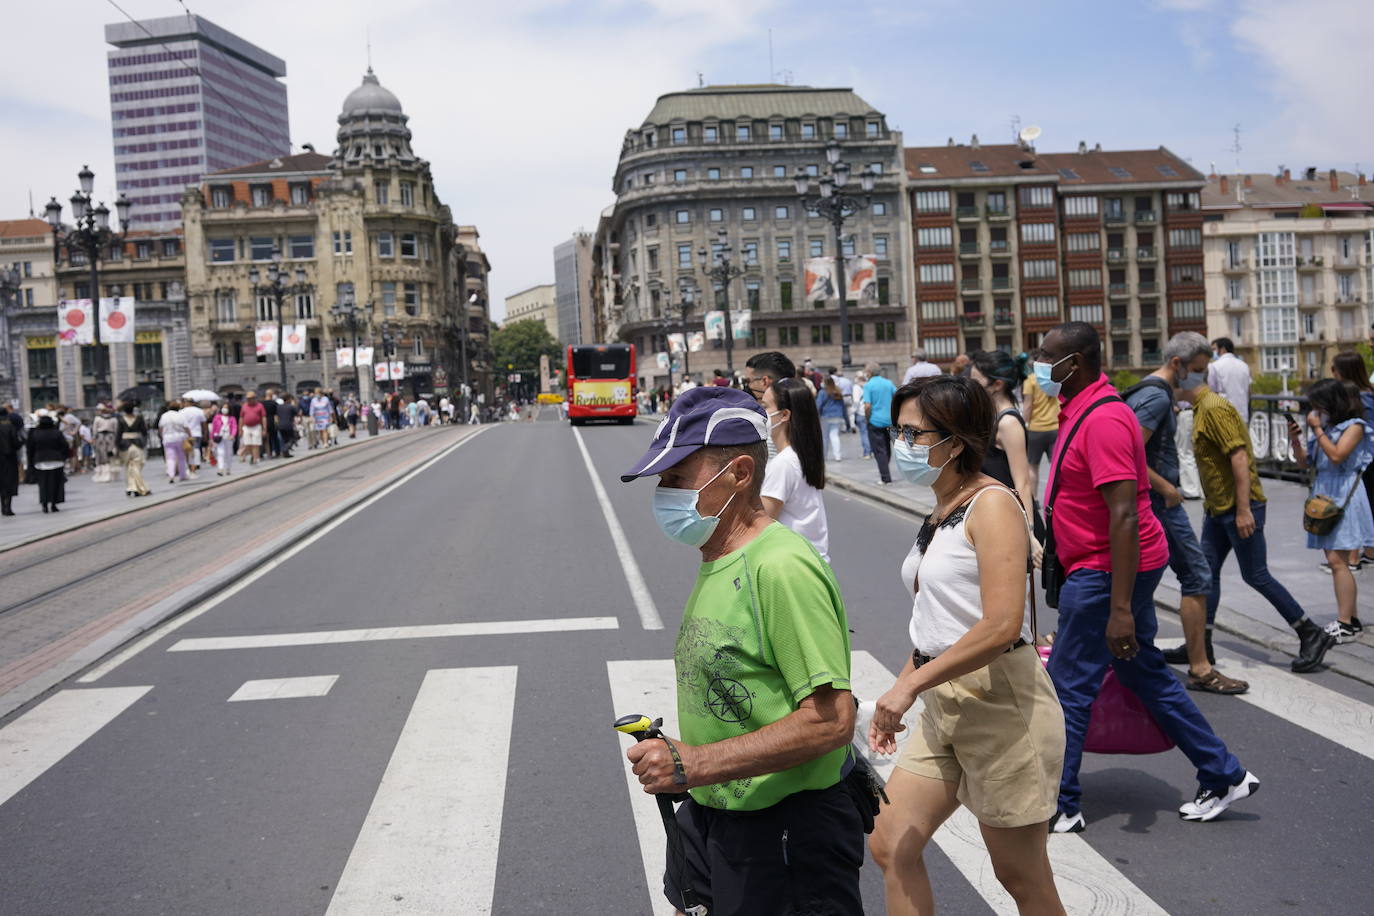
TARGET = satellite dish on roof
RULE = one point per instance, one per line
(1030, 134)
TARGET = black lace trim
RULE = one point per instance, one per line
(927, 532)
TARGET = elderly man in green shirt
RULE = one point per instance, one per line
(1234, 503)
(763, 692)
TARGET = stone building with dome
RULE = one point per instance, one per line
(363, 225)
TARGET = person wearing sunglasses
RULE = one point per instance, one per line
(990, 735)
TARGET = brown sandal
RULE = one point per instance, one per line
(1216, 682)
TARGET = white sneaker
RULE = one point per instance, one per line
(1067, 823)
(1209, 802)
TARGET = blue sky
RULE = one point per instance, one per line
(521, 106)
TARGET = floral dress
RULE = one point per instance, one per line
(1355, 530)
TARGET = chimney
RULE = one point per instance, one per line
(1225, 185)
(1287, 176)
(1097, 148)
(1335, 182)
(1082, 147)
(1310, 174)
(1249, 182)
(1362, 178)
(973, 144)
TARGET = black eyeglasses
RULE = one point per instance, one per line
(908, 434)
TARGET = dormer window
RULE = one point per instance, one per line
(262, 195)
(220, 197)
(808, 131)
(841, 130)
(871, 129)
(679, 135)
(710, 133)
(742, 133)
(774, 131)
(300, 194)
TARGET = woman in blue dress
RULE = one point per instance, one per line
(1348, 366)
(1340, 444)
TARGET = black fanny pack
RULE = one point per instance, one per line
(865, 787)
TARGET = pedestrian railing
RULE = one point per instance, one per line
(1269, 434)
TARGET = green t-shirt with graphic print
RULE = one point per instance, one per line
(764, 627)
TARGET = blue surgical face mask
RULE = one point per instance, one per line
(675, 510)
(1192, 380)
(913, 462)
(1043, 373)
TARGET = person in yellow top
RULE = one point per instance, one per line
(1042, 425)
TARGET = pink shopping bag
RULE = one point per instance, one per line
(1120, 723)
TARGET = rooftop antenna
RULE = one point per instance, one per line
(31, 199)
(1015, 126)
(369, 47)
(701, 80)
(1236, 147)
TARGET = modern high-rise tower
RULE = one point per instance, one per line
(188, 98)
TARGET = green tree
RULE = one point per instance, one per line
(519, 344)
(1123, 379)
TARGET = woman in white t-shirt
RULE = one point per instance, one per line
(794, 478)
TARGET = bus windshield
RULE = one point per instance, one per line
(595, 362)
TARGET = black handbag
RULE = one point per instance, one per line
(1052, 572)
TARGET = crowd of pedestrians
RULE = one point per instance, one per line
(742, 477)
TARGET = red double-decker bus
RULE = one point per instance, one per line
(601, 383)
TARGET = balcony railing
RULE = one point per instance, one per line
(1149, 357)
(1114, 217)
(1149, 322)
(1146, 217)
(972, 319)
(1237, 265)
(968, 248)
(1312, 300)
(1309, 263)
(1235, 305)
(1003, 318)
(966, 213)
(1148, 288)
(999, 247)
(1146, 253)
(1346, 264)
(998, 213)
(1116, 254)
(1348, 299)
(972, 284)
(1001, 282)
(1118, 289)
(1121, 327)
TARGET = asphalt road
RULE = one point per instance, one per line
(468, 766)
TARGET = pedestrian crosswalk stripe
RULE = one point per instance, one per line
(1296, 698)
(1087, 882)
(53, 729)
(283, 688)
(429, 842)
(377, 634)
(647, 687)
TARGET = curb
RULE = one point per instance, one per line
(1268, 636)
(182, 494)
(192, 595)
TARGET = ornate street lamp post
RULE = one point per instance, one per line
(10, 290)
(837, 207)
(348, 312)
(719, 269)
(277, 287)
(388, 348)
(89, 234)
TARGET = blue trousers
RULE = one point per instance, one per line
(1220, 538)
(1079, 662)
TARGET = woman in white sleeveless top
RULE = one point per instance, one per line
(990, 735)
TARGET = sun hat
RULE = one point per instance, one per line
(703, 416)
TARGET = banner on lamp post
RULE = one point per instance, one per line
(861, 274)
(364, 356)
(696, 341)
(293, 339)
(676, 344)
(265, 340)
(381, 372)
(74, 322)
(741, 321)
(715, 325)
(343, 358)
(117, 320)
(661, 359)
(820, 279)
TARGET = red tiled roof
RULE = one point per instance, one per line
(1067, 169)
(23, 228)
(959, 162)
(1133, 167)
(300, 162)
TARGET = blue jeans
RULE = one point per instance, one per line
(1219, 538)
(862, 423)
(1186, 558)
(1079, 662)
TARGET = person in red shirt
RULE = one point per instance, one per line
(252, 422)
(1112, 550)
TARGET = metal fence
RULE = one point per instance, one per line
(1269, 434)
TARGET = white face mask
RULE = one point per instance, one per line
(773, 426)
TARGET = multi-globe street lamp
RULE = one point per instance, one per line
(89, 235)
(718, 267)
(836, 206)
(11, 289)
(388, 349)
(277, 288)
(347, 311)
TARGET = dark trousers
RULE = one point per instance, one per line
(1079, 662)
(1220, 538)
(881, 445)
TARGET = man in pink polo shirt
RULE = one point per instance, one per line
(1113, 552)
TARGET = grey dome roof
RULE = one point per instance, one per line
(371, 96)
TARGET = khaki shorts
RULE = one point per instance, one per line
(999, 733)
(250, 435)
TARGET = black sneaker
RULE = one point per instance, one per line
(1063, 822)
(1209, 803)
(1344, 632)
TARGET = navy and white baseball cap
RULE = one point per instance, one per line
(708, 415)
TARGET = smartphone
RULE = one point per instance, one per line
(1291, 419)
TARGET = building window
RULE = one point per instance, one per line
(1037, 197)
(648, 178)
(880, 246)
(875, 168)
(758, 337)
(1277, 359)
(820, 333)
(856, 332)
(748, 214)
(884, 291)
(682, 217)
(816, 247)
(713, 174)
(389, 299)
(879, 208)
(784, 249)
(787, 336)
(742, 132)
(679, 135)
(938, 311)
(300, 194)
(305, 306)
(1040, 269)
(408, 249)
(219, 198)
(221, 251)
(1191, 200)
(343, 242)
(684, 255)
(871, 129)
(382, 191)
(932, 274)
(812, 169)
(169, 248)
(841, 130)
(847, 246)
(808, 131)
(779, 171)
(1083, 241)
(774, 131)
(143, 251)
(650, 220)
(1090, 278)
(1190, 309)
(1186, 273)
(885, 331)
(715, 215)
(932, 201)
(746, 172)
(1078, 205)
(1037, 233)
(1042, 306)
(934, 237)
(679, 175)
(226, 311)
(386, 245)
(751, 294)
(653, 258)
(266, 308)
(997, 203)
(751, 252)
(262, 195)
(1185, 238)
(301, 247)
(407, 193)
(785, 294)
(412, 300)
(710, 133)
(782, 212)
(260, 248)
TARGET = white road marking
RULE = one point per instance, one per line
(53, 729)
(1088, 883)
(283, 688)
(644, 602)
(649, 688)
(429, 842)
(171, 626)
(378, 634)
(1296, 698)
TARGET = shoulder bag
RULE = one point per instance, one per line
(1320, 514)
(1051, 570)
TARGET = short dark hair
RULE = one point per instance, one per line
(1340, 399)
(773, 364)
(720, 374)
(1225, 344)
(955, 405)
(758, 451)
(1081, 338)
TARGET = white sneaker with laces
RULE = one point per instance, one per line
(1209, 802)
(1343, 632)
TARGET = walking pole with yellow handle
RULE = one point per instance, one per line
(641, 728)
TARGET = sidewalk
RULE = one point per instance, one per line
(1242, 612)
(88, 501)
